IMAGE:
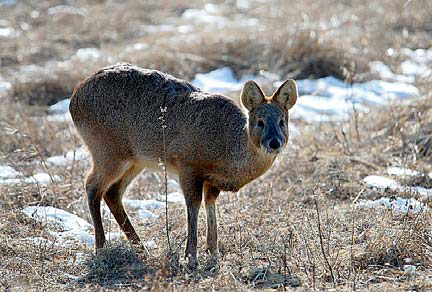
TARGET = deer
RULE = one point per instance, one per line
(211, 143)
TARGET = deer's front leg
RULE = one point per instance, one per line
(192, 187)
(211, 193)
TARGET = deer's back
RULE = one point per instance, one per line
(123, 93)
(134, 104)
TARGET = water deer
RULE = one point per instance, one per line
(211, 143)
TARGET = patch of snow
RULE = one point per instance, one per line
(86, 54)
(375, 92)
(60, 112)
(208, 15)
(243, 4)
(59, 118)
(79, 154)
(71, 225)
(409, 269)
(143, 207)
(61, 107)
(71, 228)
(389, 90)
(329, 98)
(57, 160)
(212, 8)
(143, 204)
(158, 28)
(38, 240)
(384, 72)
(399, 171)
(314, 108)
(399, 204)
(173, 185)
(112, 236)
(66, 9)
(7, 32)
(185, 28)
(65, 237)
(246, 22)
(324, 99)
(140, 46)
(421, 56)
(8, 172)
(383, 183)
(151, 244)
(175, 197)
(424, 192)
(220, 81)
(41, 178)
(61, 218)
(145, 214)
(418, 63)
(411, 68)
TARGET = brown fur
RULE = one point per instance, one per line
(210, 142)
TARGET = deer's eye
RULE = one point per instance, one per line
(260, 124)
(281, 123)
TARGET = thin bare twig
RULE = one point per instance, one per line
(322, 243)
(163, 123)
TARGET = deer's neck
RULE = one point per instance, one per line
(245, 163)
(252, 161)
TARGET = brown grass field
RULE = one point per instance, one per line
(296, 227)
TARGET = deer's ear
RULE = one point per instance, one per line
(286, 95)
(251, 95)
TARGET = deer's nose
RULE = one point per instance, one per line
(275, 144)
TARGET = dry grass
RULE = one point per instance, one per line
(295, 226)
(296, 41)
(269, 231)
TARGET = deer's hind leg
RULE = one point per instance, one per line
(113, 198)
(99, 180)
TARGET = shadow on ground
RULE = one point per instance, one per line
(116, 267)
(122, 266)
(264, 277)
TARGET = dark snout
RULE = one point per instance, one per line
(274, 145)
(274, 141)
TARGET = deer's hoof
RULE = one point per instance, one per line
(192, 264)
